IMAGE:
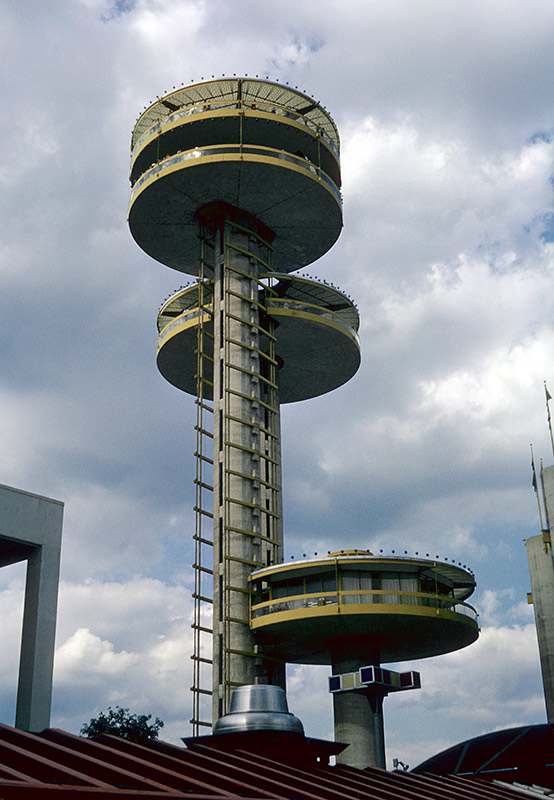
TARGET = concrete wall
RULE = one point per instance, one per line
(541, 571)
(31, 530)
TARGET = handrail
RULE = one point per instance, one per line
(240, 149)
(364, 597)
(275, 303)
(187, 316)
(221, 105)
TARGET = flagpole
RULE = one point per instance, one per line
(549, 397)
(536, 488)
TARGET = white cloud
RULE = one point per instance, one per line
(129, 643)
(91, 659)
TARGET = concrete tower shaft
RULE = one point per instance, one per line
(541, 569)
(247, 472)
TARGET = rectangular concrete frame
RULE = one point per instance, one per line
(31, 530)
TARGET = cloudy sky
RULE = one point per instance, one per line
(445, 115)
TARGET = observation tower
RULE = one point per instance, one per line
(237, 183)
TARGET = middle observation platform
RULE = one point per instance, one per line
(315, 325)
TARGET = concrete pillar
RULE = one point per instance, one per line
(541, 571)
(359, 722)
(31, 530)
(34, 693)
(241, 472)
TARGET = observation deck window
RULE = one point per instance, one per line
(287, 588)
(435, 586)
(326, 582)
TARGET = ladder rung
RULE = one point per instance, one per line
(254, 478)
(238, 622)
(250, 324)
(238, 589)
(203, 431)
(204, 569)
(206, 356)
(200, 628)
(247, 561)
(203, 511)
(202, 457)
(261, 536)
(251, 347)
(204, 405)
(239, 653)
(253, 374)
(245, 298)
(251, 450)
(252, 505)
(251, 424)
(202, 540)
(202, 379)
(200, 691)
(203, 660)
(202, 598)
(248, 397)
(203, 485)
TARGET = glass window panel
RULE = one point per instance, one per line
(279, 589)
(409, 584)
(313, 584)
(295, 586)
(390, 581)
(329, 582)
(350, 581)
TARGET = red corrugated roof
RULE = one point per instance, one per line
(58, 764)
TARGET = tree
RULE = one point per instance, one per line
(119, 722)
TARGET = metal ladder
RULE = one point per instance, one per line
(203, 535)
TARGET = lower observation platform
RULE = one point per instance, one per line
(376, 609)
(316, 325)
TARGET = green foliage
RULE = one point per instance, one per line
(119, 722)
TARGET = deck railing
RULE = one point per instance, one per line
(364, 597)
(223, 105)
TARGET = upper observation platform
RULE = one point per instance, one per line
(373, 608)
(261, 147)
(316, 325)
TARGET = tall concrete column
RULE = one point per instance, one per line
(359, 720)
(31, 530)
(243, 468)
(541, 571)
(34, 692)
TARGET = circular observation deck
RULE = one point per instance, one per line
(266, 149)
(316, 325)
(377, 609)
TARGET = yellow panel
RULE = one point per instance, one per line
(347, 681)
